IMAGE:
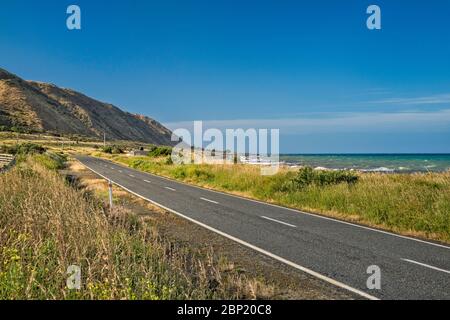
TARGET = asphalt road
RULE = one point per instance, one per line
(334, 251)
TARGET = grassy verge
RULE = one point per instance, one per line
(411, 204)
(46, 225)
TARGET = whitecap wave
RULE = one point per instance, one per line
(381, 169)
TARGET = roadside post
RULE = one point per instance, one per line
(110, 194)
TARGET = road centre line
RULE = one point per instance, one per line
(426, 265)
(278, 221)
(207, 200)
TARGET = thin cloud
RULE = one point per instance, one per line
(373, 93)
(435, 121)
(434, 99)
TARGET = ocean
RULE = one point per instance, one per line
(372, 162)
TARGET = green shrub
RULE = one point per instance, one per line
(162, 151)
(23, 149)
(106, 149)
(144, 165)
(51, 161)
(116, 150)
(113, 149)
(179, 172)
(308, 176)
(169, 161)
(199, 174)
(18, 129)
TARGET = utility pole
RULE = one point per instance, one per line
(104, 138)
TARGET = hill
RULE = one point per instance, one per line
(43, 107)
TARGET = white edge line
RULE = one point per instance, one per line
(278, 221)
(147, 181)
(169, 188)
(426, 265)
(244, 243)
(212, 201)
(290, 209)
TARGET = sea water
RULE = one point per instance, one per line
(372, 162)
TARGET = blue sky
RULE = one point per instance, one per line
(311, 69)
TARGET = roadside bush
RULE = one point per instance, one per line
(18, 129)
(52, 161)
(106, 149)
(144, 165)
(308, 176)
(114, 149)
(199, 174)
(169, 161)
(161, 151)
(23, 149)
(180, 172)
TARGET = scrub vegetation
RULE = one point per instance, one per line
(48, 223)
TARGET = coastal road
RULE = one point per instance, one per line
(340, 253)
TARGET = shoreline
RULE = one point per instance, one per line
(385, 170)
(382, 169)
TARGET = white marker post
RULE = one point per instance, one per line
(110, 194)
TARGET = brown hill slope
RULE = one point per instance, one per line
(44, 107)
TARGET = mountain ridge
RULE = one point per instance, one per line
(45, 107)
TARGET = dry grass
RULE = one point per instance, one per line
(47, 225)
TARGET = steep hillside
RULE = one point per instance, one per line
(44, 107)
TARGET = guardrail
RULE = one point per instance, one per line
(6, 161)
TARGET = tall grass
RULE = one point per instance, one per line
(46, 225)
(414, 204)
(23, 149)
